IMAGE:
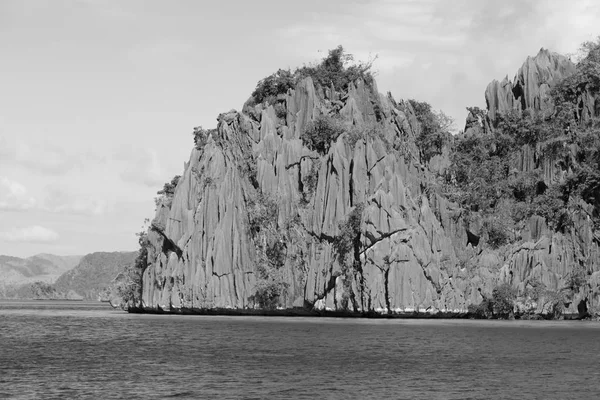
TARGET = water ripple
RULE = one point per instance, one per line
(88, 351)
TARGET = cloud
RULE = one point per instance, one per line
(42, 158)
(58, 199)
(55, 199)
(32, 234)
(112, 10)
(165, 54)
(14, 196)
(142, 167)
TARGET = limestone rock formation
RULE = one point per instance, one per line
(530, 88)
(415, 251)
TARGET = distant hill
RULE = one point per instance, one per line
(93, 274)
(16, 272)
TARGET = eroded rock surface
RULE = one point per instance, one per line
(416, 250)
(529, 90)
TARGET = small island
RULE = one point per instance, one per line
(323, 196)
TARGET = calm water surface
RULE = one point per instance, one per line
(87, 350)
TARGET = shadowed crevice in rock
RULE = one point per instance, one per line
(168, 245)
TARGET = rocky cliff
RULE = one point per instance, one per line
(529, 90)
(409, 249)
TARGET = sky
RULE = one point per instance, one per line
(98, 98)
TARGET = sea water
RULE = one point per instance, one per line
(88, 350)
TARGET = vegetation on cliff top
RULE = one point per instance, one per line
(435, 129)
(321, 132)
(485, 177)
(335, 71)
(482, 177)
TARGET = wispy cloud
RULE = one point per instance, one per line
(61, 200)
(142, 167)
(42, 158)
(32, 234)
(161, 52)
(53, 199)
(14, 196)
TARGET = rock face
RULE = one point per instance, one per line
(530, 88)
(415, 250)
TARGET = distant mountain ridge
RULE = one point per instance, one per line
(15, 271)
(48, 276)
(94, 273)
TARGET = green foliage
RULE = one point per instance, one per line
(310, 181)
(552, 207)
(371, 131)
(129, 286)
(346, 249)
(435, 129)
(268, 293)
(335, 71)
(262, 213)
(43, 290)
(169, 187)
(554, 303)
(271, 250)
(271, 86)
(483, 310)
(321, 132)
(524, 128)
(535, 289)
(167, 192)
(201, 136)
(280, 110)
(577, 279)
(498, 233)
(248, 168)
(483, 175)
(503, 298)
(500, 305)
(353, 136)
(480, 168)
(585, 78)
(585, 183)
(348, 237)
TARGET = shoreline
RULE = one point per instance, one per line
(301, 312)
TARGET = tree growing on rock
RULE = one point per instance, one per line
(504, 297)
(435, 129)
(271, 86)
(129, 282)
(336, 70)
(200, 137)
(167, 192)
(346, 246)
(320, 133)
(271, 251)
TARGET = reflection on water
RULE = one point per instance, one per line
(88, 350)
